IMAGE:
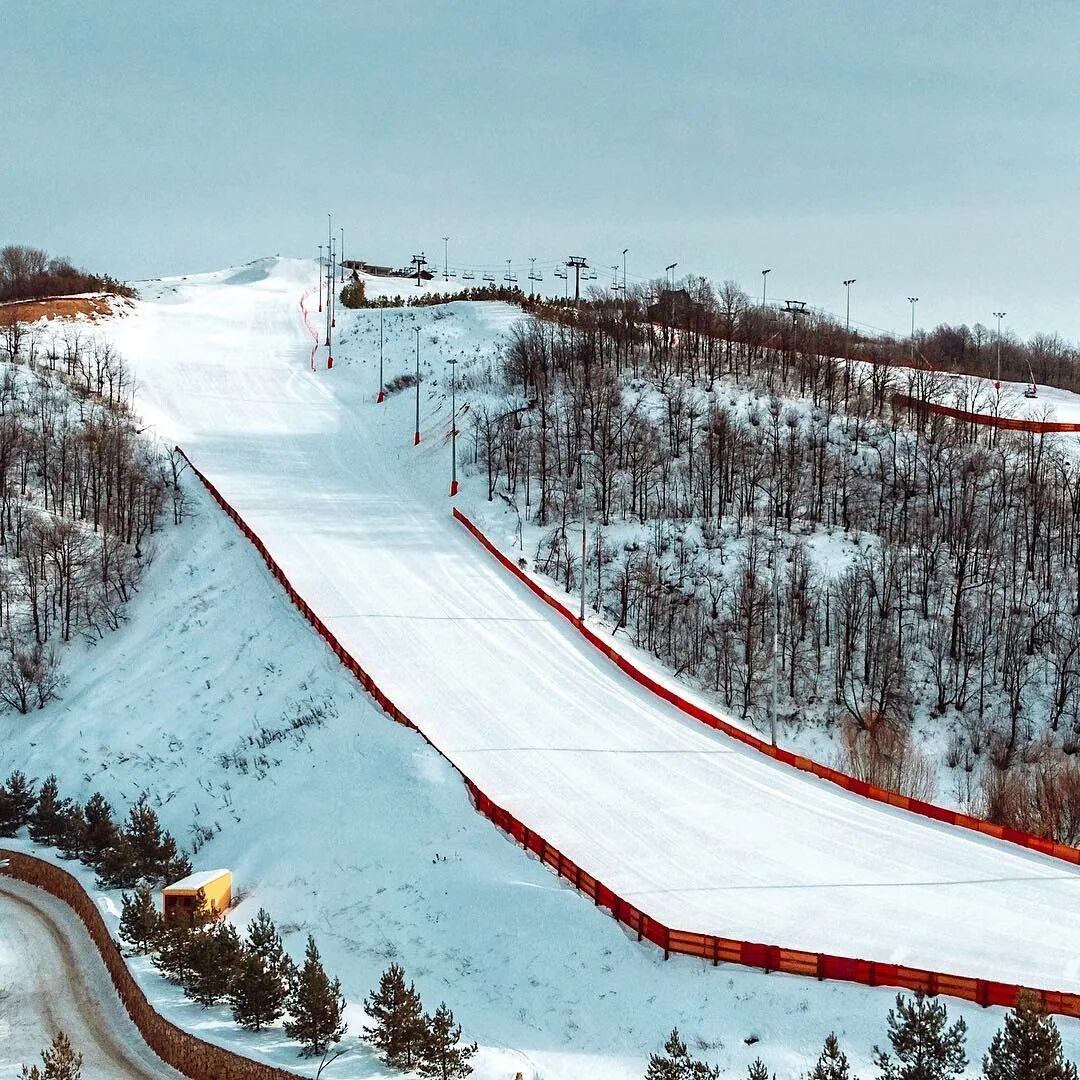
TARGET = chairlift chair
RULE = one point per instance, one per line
(1032, 391)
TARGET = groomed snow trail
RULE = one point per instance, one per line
(698, 832)
(53, 979)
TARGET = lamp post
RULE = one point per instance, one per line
(416, 435)
(320, 279)
(913, 300)
(341, 255)
(764, 274)
(445, 258)
(848, 282)
(453, 428)
(999, 315)
(382, 390)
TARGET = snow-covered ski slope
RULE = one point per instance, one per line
(698, 832)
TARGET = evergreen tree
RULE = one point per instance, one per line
(833, 1062)
(1028, 1047)
(45, 820)
(16, 802)
(676, 1063)
(263, 976)
(442, 1057)
(315, 1005)
(72, 838)
(173, 956)
(757, 1070)
(117, 866)
(214, 954)
(925, 1048)
(101, 832)
(141, 853)
(140, 921)
(60, 1061)
(399, 1030)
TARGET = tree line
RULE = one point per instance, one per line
(923, 1045)
(29, 273)
(955, 594)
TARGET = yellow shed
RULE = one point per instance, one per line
(179, 898)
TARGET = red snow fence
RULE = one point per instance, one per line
(311, 329)
(1005, 423)
(705, 946)
(786, 757)
(187, 1054)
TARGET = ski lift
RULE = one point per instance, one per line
(466, 275)
(591, 275)
(1032, 391)
(561, 274)
(489, 277)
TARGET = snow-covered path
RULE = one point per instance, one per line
(698, 832)
(53, 979)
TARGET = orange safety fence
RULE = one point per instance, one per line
(185, 1052)
(706, 946)
(311, 329)
(1005, 423)
(785, 757)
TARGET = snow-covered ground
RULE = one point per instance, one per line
(357, 831)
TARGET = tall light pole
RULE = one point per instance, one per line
(341, 255)
(382, 390)
(416, 435)
(320, 279)
(624, 251)
(848, 282)
(764, 274)
(999, 315)
(913, 300)
(445, 258)
(453, 428)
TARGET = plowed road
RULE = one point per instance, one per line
(52, 979)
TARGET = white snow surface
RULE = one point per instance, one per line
(358, 832)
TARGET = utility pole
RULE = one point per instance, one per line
(999, 315)
(319, 275)
(333, 297)
(453, 428)
(445, 258)
(416, 435)
(382, 390)
(419, 262)
(578, 264)
(913, 300)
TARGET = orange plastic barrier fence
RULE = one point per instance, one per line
(185, 1052)
(706, 946)
(311, 329)
(785, 757)
(1005, 423)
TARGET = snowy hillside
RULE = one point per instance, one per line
(339, 822)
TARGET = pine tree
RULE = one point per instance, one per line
(140, 921)
(141, 853)
(117, 866)
(45, 820)
(442, 1057)
(60, 1061)
(16, 802)
(101, 832)
(72, 838)
(399, 1029)
(173, 956)
(315, 1005)
(833, 1062)
(676, 1063)
(262, 979)
(757, 1070)
(214, 955)
(1028, 1047)
(925, 1048)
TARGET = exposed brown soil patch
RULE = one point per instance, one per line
(63, 307)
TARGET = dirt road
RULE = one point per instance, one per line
(52, 977)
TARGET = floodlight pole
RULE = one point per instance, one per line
(913, 300)
(341, 255)
(319, 276)
(1000, 315)
(453, 428)
(445, 258)
(382, 391)
(416, 436)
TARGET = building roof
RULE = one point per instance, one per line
(196, 881)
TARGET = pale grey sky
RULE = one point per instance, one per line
(926, 149)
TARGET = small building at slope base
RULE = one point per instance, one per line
(179, 899)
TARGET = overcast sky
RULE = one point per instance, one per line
(926, 149)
